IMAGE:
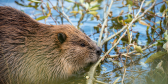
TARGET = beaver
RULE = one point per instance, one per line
(33, 52)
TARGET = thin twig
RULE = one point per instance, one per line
(105, 22)
(100, 82)
(65, 14)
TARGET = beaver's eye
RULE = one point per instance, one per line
(83, 45)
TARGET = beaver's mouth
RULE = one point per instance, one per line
(91, 63)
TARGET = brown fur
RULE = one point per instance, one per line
(30, 52)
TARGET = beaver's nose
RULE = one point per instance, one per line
(99, 51)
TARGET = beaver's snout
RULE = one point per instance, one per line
(98, 51)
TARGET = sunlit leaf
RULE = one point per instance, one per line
(159, 66)
(114, 41)
(75, 12)
(81, 1)
(93, 9)
(93, 3)
(48, 5)
(86, 5)
(122, 11)
(35, 1)
(143, 64)
(129, 8)
(49, 9)
(55, 7)
(116, 80)
(48, 14)
(154, 56)
(128, 34)
(166, 35)
(42, 17)
(147, 3)
(137, 54)
(143, 23)
(147, 28)
(123, 3)
(138, 48)
(128, 20)
(69, 0)
(129, 16)
(80, 12)
(164, 13)
(165, 46)
(163, 7)
(93, 13)
(96, 6)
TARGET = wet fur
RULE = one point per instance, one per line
(30, 52)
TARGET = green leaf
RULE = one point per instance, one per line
(163, 7)
(165, 46)
(128, 33)
(93, 3)
(96, 6)
(154, 56)
(147, 28)
(129, 8)
(143, 23)
(159, 66)
(128, 20)
(35, 1)
(69, 0)
(42, 17)
(92, 18)
(147, 3)
(55, 7)
(93, 9)
(93, 13)
(166, 35)
(75, 12)
(151, 12)
(138, 49)
(129, 2)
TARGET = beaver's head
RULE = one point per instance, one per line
(76, 49)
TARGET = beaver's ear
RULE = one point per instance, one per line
(61, 37)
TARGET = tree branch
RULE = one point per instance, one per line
(65, 14)
(93, 67)
(105, 22)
